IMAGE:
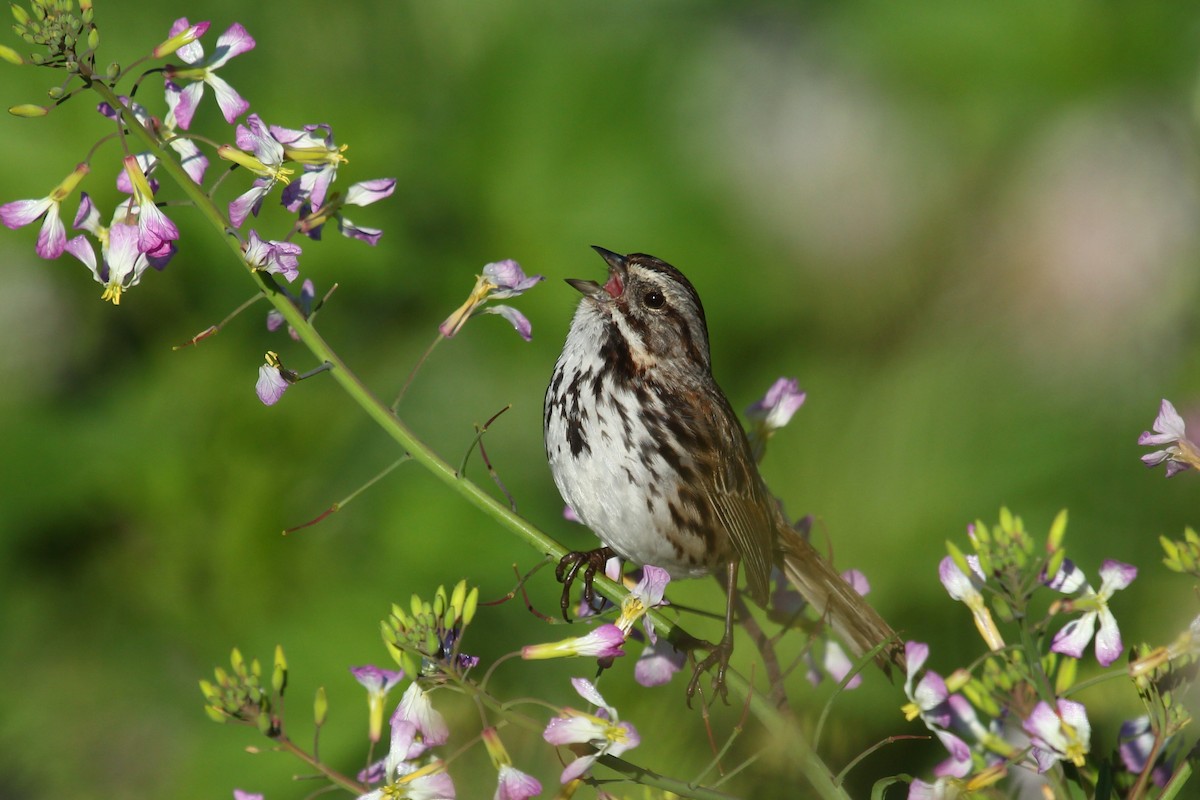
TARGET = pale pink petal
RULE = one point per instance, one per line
(1074, 636)
(233, 42)
(231, 103)
(22, 212)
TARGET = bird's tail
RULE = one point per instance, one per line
(853, 619)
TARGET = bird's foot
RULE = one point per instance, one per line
(591, 561)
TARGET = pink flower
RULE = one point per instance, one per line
(602, 731)
(1059, 734)
(1075, 635)
(1169, 429)
(183, 101)
(52, 238)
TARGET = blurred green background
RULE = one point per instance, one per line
(970, 231)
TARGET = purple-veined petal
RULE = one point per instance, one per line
(1108, 639)
(1168, 426)
(352, 231)
(52, 238)
(930, 693)
(658, 663)
(513, 784)
(270, 386)
(1115, 575)
(233, 42)
(231, 103)
(958, 586)
(508, 278)
(367, 192)
(1074, 636)
(183, 101)
(1068, 579)
(515, 318)
(778, 405)
(915, 654)
(374, 679)
(578, 767)
(587, 690)
(959, 764)
(87, 218)
(415, 707)
(247, 203)
(192, 160)
(155, 229)
(1137, 742)
(82, 249)
(19, 213)
(573, 729)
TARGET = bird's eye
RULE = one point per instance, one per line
(654, 299)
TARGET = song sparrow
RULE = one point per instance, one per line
(645, 448)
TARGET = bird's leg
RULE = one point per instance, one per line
(719, 654)
(568, 569)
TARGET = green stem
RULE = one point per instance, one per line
(810, 764)
(354, 787)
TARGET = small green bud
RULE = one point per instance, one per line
(216, 714)
(238, 663)
(20, 14)
(279, 675)
(1003, 611)
(210, 692)
(10, 55)
(1067, 669)
(320, 707)
(471, 604)
(93, 40)
(222, 677)
(1007, 521)
(416, 607)
(28, 110)
(439, 602)
(113, 70)
(256, 668)
(55, 92)
(263, 722)
(1058, 529)
(458, 598)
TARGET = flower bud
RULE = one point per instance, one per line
(320, 707)
(10, 55)
(279, 675)
(29, 110)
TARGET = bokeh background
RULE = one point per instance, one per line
(970, 231)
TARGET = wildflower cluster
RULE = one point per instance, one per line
(1016, 708)
(300, 164)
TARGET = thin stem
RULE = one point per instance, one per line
(332, 775)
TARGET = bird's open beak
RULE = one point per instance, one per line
(615, 284)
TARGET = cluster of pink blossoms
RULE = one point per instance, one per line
(139, 234)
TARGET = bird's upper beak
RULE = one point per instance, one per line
(615, 284)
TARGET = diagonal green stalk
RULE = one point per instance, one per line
(785, 728)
